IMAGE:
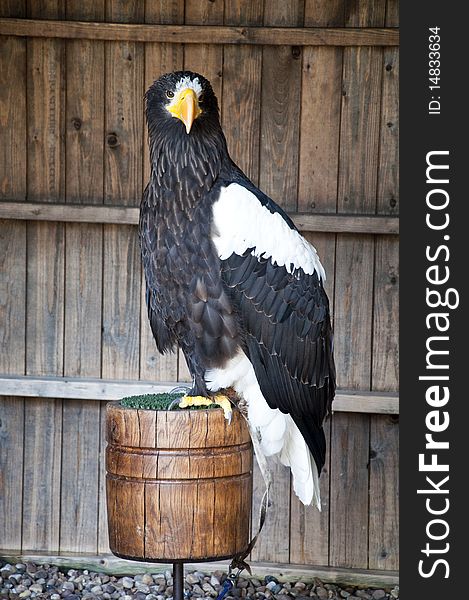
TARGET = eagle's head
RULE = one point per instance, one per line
(182, 102)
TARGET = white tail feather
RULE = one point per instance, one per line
(279, 434)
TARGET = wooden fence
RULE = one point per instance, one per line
(308, 94)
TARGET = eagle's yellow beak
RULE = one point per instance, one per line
(185, 107)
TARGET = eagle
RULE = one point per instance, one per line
(231, 281)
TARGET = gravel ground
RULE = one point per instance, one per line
(48, 582)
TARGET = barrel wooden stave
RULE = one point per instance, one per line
(179, 483)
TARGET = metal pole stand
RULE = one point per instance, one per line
(178, 580)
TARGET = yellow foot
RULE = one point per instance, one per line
(219, 399)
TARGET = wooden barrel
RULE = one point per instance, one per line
(178, 484)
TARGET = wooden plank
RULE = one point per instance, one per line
(324, 13)
(41, 477)
(11, 469)
(122, 215)
(309, 528)
(280, 114)
(384, 434)
(349, 491)
(320, 127)
(12, 118)
(205, 34)
(45, 180)
(12, 186)
(12, 277)
(283, 572)
(83, 285)
(388, 176)
(392, 13)
(360, 130)
(123, 185)
(123, 113)
(384, 493)
(274, 540)
(108, 389)
(45, 299)
(385, 315)
(79, 484)
(357, 189)
(242, 71)
(365, 13)
(121, 303)
(103, 533)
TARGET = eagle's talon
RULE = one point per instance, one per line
(219, 399)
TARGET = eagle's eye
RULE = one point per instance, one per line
(169, 94)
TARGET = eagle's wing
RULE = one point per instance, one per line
(275, 279)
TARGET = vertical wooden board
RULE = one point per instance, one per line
(274, 541)
(385, 315)
(384, 493)
(360, 129)
(12, 118)
(13, 187)
(124, 110)
(83, 300)
(392, 13)
(13, 9)
(324, 13)
(83, 287)
(12, 296)
(353, 310)
(243, 12)
(320, 128)
(79, 484)
(41, 475)
(11, 467)
(46, 164)
(85, 121)
(365, 13)
(388, 174)
(280, 114)
(45, 180)
(384, 432)
(121, 303)
(349, 491)
(309, 528)
(242, 106)
(241, 100)
(45, 299)
(206, 59)
(103, 536)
